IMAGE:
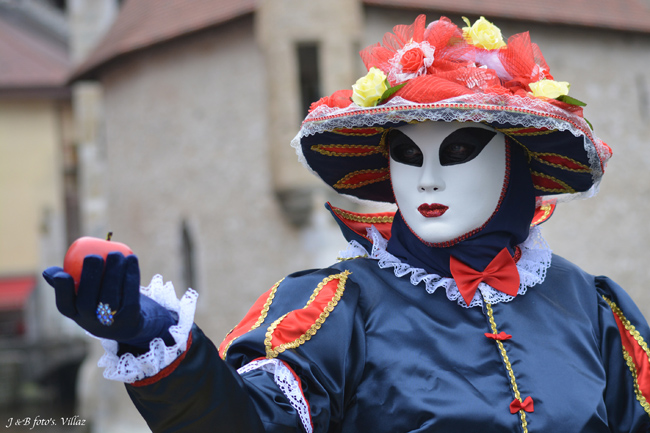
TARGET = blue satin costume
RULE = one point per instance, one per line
(372, 352)
(392, 358)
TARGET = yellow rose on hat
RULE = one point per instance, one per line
(483, 34)
(550, 89)
(368, 90)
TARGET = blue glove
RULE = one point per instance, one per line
(108, 303)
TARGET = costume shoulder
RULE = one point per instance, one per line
(301, 342)
(293, 311)
(621, 333)
(624, 339)
(624, 334)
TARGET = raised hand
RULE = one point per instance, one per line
(108, 303)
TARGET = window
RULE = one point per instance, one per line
(59, 4)
(309, 77)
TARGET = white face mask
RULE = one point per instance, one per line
(446, 178)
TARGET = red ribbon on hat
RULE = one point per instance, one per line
(501, 274)
(526, 405)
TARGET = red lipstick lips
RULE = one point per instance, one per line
(432, 210)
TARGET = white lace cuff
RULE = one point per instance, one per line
(532, 265)
(288, 383)
(129, 368)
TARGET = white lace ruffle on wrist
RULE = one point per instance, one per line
(535, 260)
(288, 383)
(129, 368)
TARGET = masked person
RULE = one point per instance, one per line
(450, 315)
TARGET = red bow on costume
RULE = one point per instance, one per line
(501, 273)
(527, 405)
(501, 336)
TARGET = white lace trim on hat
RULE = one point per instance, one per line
(129, 368)
(288, 384)
(535, 260)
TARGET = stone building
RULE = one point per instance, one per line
(40, 352)
(191, 165)
(34, 129)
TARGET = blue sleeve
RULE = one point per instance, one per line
(201, 394)
(299, 353)
(626, 359)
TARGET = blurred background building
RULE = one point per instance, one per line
(40, 354)
(168, 122)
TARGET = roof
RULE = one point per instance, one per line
(143, 23)
(14, 292)
(622, 15)
(29, 62)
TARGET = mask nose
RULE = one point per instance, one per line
(430, 180)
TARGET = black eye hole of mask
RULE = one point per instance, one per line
(402, 149)
(463, 145)
(459, 147)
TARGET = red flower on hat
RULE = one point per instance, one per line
(412, 60)
(439, 61)
(338, 99)
(441, 46)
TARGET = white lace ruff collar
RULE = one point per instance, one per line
(535, 260)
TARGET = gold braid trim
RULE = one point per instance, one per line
(628, 358)
(356, 131)
(383, 143)
(628, 326)
(370, 150)
(364, 219)
(513, 131)
(567, 188)
(506, 361)
(639, 395)
(546, 208)
(383, 172)
(273, 352)
(537, 156)
(341, 259)
(260, 320)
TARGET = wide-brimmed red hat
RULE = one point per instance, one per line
(441, 72)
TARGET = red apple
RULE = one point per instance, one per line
(74, 258)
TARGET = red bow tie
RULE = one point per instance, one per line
(501, 274)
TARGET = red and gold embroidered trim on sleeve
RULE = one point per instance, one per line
(298, 326)
(636, 354)
(253, 319)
